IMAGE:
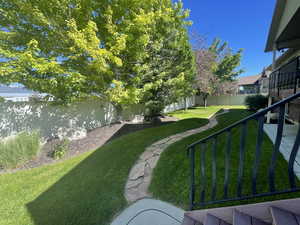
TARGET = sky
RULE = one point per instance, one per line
(243, 24)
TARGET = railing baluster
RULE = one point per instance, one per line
(203, 176)
(295, 82)
(292, 159)
(227, 163)
(276, 147)
(214, 169)
(211, 143)
(192, 181)
(242, 158)
(259, 141)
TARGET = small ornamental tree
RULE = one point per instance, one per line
(127, 52)
(216, 66)
(205, 80)
(226, 62)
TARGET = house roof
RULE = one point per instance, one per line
(6, 91)
(278, 11)
(248, 80)
(284, 32)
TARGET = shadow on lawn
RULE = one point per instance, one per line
(92, 192)
(129, 128)
(81, 196)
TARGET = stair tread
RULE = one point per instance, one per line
(189, 221)
(212, 220)
(240, 218)
(282, 217)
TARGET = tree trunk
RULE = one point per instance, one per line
(185, 103)
(119, 110)
(205, 101)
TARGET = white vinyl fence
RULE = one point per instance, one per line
(222, 100)
(188, 102)
(72, 121)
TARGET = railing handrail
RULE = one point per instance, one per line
(253, 116)
(204, 145)
(289, 62)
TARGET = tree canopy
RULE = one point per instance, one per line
(217, 67)
(127, 51)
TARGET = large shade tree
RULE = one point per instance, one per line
(125, 51)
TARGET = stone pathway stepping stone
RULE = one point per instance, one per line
(141, 173)
(150, 212)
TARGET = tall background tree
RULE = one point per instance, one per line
(217, 68)
(124, 51)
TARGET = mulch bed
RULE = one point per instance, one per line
(94, 139)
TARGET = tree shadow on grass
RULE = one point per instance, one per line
(92, 192)
(86, 195)
(130, 128)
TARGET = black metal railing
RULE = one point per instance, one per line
(286, 77)
(199, 178)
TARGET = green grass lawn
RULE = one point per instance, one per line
(85, 190)
(174, 160)
(201, 112)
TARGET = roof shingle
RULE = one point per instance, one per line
(248, 80)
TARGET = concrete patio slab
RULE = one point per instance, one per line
(150, 212)
(288, 139)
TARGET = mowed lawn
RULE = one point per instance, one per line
(174, 160)
(202, 112)
(85, 190)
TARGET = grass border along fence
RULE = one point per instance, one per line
(18, 149)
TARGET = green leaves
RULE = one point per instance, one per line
(126, 51)
(217, 66)
(226, 68)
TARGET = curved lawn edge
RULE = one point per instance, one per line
(87, 189)
(170, 181)
(140, 175)
(175, 189)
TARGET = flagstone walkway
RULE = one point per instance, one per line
(141, 173)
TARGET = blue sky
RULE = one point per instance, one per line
(243, 24)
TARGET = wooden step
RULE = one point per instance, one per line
(212, 220)
(283, 217)
(240, 218)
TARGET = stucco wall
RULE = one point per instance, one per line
(223, 100)
(72, 121)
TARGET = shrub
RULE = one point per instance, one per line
(256, 102)
(153, 109)
(19, 149)
(61, 149)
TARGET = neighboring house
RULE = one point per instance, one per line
(257, 84)
(16, 94)
(248, 84)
